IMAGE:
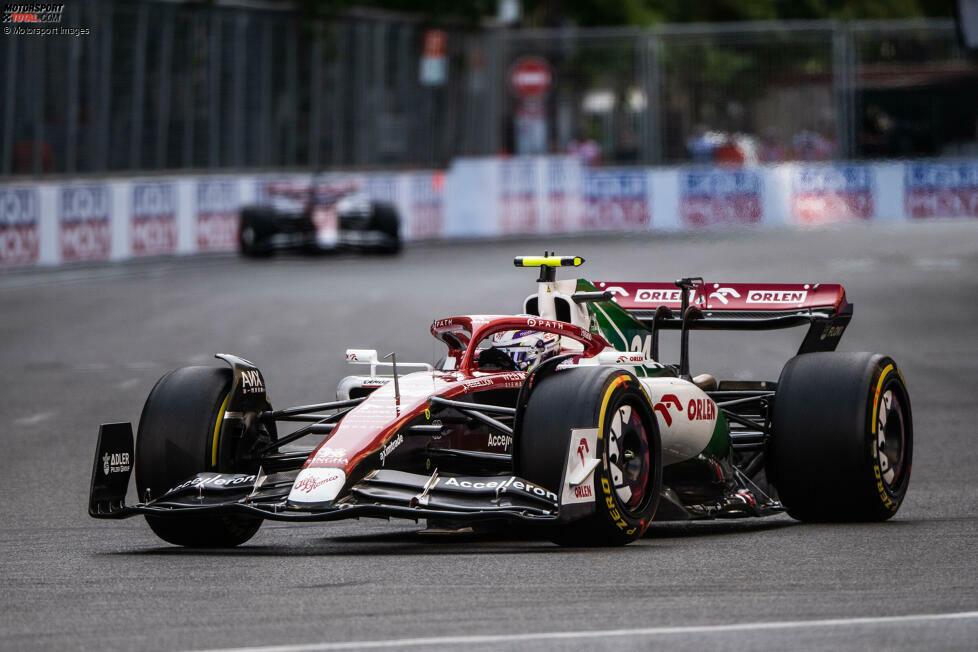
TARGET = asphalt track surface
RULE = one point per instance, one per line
(85, 345)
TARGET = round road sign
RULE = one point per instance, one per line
(530, 77)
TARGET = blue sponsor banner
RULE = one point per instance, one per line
(939, 176)
(563, 194)
(559, 176)
(427, 206)
(833, 178)
(616, 198)
(154, 199)
(19, 226)
(217, 196)
(829, 193)
(615, 184)
(720, 182)
(154, 218)
(84, 232)
(217, 215)
(381, 187)
(517, 196)
(941, 189)
(717, 196)
(426, 188)
(517, 177)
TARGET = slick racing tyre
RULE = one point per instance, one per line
(842, 442)
(386, 221)
(628, 479)
(179, 427)
(255, 232)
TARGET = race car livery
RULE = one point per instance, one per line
(561, 416)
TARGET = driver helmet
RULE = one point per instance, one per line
(527, 348)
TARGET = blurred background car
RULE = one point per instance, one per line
(318, 216)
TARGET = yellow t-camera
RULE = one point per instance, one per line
(547, 264)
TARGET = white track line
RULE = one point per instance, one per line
(605, 633)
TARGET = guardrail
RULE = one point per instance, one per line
(53, 223)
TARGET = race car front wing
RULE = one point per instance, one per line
(381, 493)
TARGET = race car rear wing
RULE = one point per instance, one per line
(692, 304)
(728, 300)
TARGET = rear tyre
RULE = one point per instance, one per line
(628, 478)
(842, 444)
(387, 221)
(255, 232)
(178, 430)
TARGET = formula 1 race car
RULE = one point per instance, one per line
(322, 216)
(562, 417)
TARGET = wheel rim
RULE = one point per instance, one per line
(891, 437)
(628, 456)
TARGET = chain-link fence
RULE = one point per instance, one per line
(170, 85)
(755, 93)
(164, 85)
(915, 93)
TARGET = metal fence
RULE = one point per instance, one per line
(170, 85)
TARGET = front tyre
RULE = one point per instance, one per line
(256, 228)
(842, 444)
(386, 221)
(628, 479)
(179, 436)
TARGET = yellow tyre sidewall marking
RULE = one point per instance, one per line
(605, 485)
(217, 431)
(880, 486)
(876, 397)
(619, 380)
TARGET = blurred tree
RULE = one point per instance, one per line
(647, 12)
(470, 12)
(586, 13)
